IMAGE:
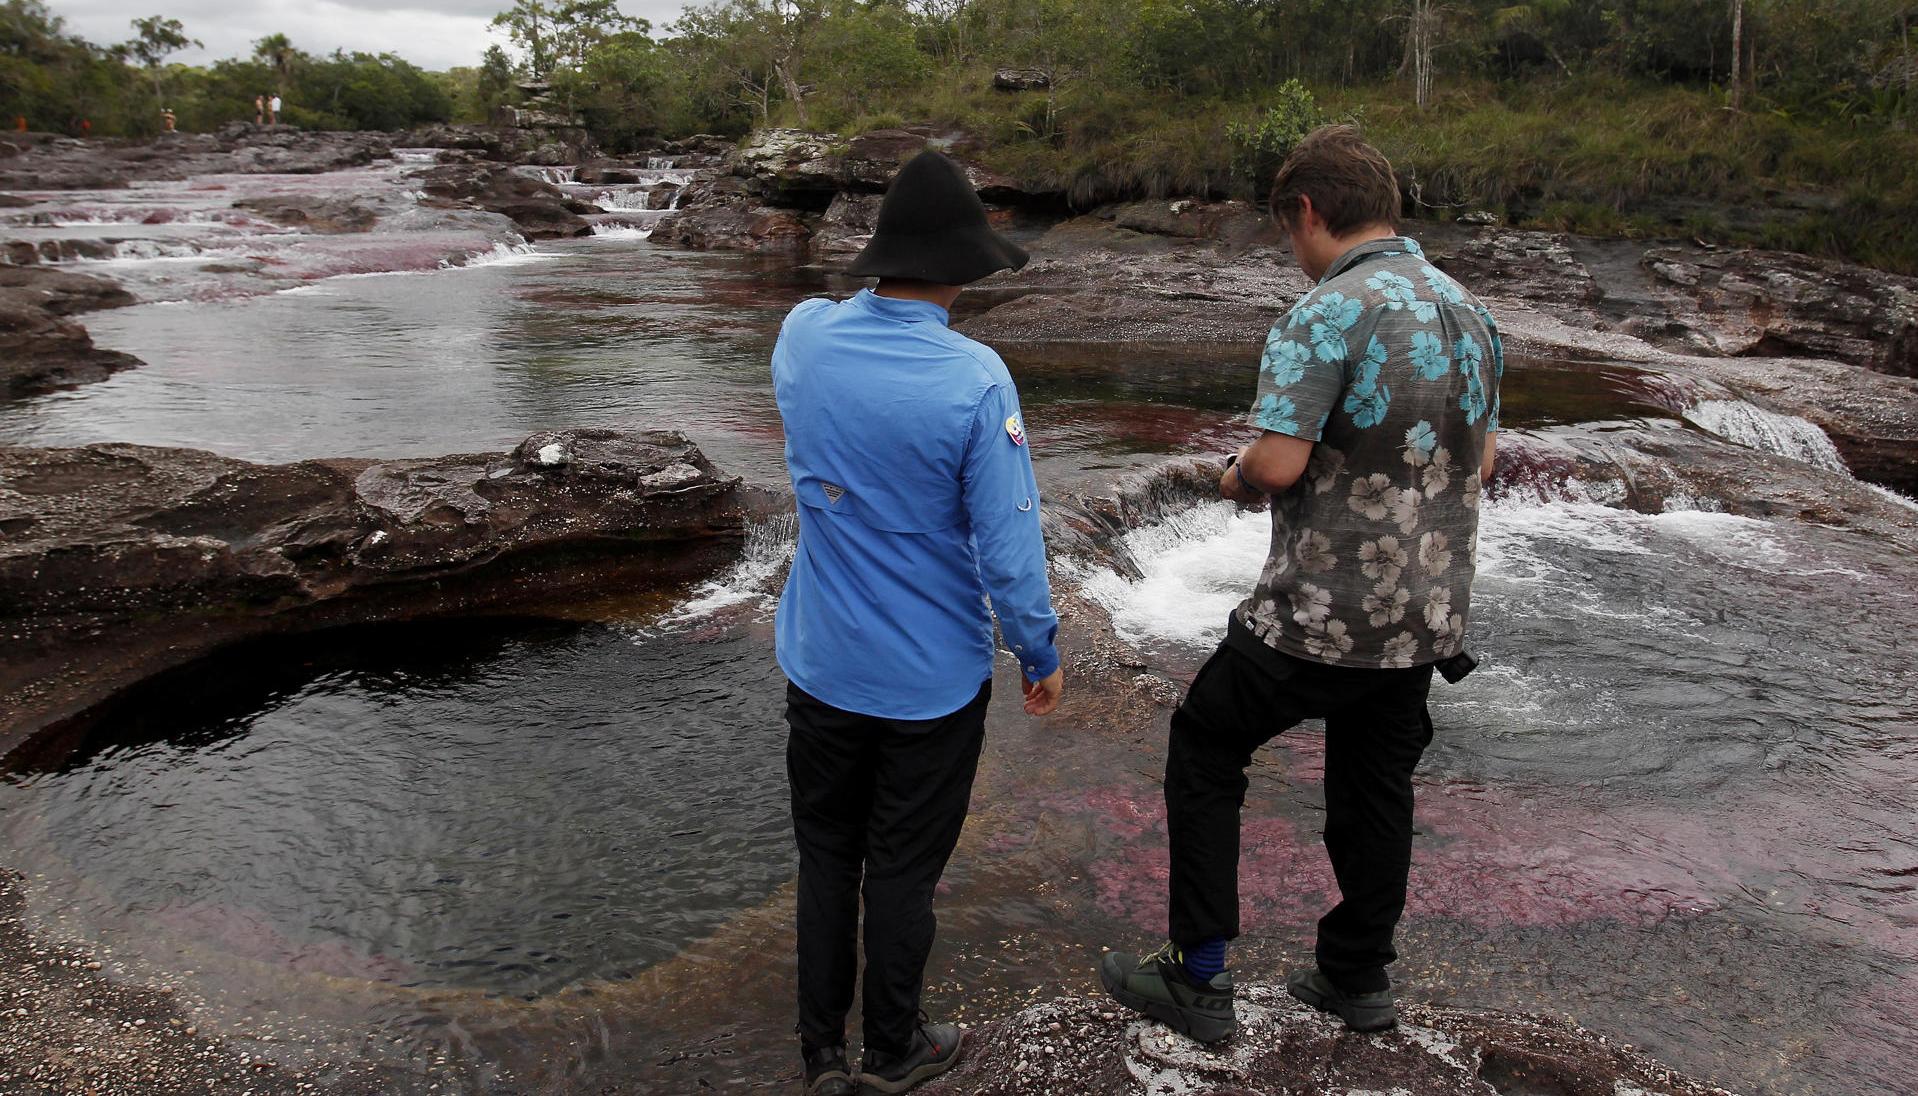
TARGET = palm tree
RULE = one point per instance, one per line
(277, 50)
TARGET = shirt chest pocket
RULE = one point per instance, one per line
(896, 506)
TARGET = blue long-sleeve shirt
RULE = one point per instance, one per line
(918, 511)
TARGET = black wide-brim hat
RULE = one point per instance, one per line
(932, 227)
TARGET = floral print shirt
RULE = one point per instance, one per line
(1393, 369)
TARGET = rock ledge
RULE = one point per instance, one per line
(1093, 1048)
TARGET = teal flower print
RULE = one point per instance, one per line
(1278, 414)
(1428, 355)
(1285, 359)
(1471, 357)
(1412, 246)
(1340, 310)
(1398, 294)
(1337, 313)
(1441, 286)
(1420, 440)
(1368, 399)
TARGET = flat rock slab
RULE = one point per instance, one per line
(41, 347)
(64, 163)
(116, 560)
(1092, 1047)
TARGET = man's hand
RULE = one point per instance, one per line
(1232, 485)
(1043, 695)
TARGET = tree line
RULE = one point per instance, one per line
(57, 81)
(1781, 121)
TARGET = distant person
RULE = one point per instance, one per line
(259, 110)
(20, 122)
(273, 111)
(166, 119)
(86, 128)
(1378, 398)
(917, 504)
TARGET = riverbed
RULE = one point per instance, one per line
(1674, 804)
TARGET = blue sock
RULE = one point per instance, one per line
(1205, 961)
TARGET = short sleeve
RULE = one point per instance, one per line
(1302, 370)
(1498, 369)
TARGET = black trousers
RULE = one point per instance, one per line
(1376, 729)
(886, 798)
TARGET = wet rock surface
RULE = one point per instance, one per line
(145, 557)
(63, 163)
(724, 213)
(41, 348)
(70, 1023)
(1696, 299)
(539, 208)
(1091, 1047)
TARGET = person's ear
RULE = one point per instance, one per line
(1302, 220)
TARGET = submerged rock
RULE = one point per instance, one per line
(144, 557)
(40, 348)
(1091, 1047)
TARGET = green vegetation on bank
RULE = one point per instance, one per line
(1780, 122)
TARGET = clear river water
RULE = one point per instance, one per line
(1676, 804)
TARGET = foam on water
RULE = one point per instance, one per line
(1767, 431)
(1200, 563)
(1195, 568)
(502, 254)
(749, 582)
(621, 232)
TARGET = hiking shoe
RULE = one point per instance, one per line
(935, 1049)
(1360, 1011)
(827, 1073)
(1159, 987)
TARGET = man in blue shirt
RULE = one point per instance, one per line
(918, 521)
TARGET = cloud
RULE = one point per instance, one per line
(434, 34)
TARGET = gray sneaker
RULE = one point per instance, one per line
(1159, 987)
(935, 1049)
(1360, 1011)
(827, 1073)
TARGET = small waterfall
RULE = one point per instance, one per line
(624, 199)
(501, 254)
(1767, 431)
(752, 580)
(553, 175)
(661, 163)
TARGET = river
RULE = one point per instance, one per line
(1675, 804)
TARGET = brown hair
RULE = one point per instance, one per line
(1350, 182)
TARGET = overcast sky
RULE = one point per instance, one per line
(434, 34)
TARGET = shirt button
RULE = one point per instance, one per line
(1018, 648)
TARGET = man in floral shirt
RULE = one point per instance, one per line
(1378, 398)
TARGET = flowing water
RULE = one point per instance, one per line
(1676, 803)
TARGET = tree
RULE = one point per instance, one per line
(495, 81)
(156, 39)
(277, 51)
(529, 25)
(578, 26)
